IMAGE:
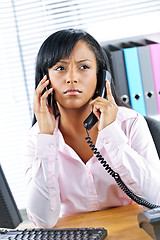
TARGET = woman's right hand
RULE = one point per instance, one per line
(43, 112)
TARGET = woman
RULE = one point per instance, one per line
(63, 176)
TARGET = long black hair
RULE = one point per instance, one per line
(60, 45)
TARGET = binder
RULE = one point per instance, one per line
(147, 78)
(155, 60)
(116, 59)
(134, 78)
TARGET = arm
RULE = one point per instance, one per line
(133, 155)
(131, 151)
(42, 190)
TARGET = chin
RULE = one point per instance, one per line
(74, 105)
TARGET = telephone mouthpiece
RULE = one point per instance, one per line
(90, 121)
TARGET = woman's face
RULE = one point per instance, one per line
(74, 79)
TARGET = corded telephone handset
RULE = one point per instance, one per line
(92, 119)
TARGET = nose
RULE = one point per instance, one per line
(71, 81)
(72, 77)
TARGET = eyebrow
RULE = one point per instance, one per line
(83, 60)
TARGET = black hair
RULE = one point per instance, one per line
(60, 45)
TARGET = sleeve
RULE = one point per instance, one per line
(133, 155)
(41, 174)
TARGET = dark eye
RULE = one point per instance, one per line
(60, 68)
(84, 67)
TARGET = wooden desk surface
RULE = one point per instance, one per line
(121, 222)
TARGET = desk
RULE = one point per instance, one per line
(121, 222)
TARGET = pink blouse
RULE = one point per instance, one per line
(59, 184)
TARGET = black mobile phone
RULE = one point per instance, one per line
(50, 99)
(47, 88)
(91, 120)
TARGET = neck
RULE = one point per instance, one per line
(71, 120)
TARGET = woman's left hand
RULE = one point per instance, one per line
(105, 109)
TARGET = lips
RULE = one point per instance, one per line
(72, 91)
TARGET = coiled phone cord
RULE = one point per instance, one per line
(116, 176)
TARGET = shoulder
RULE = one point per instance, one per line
(130, 120)
(128, 114)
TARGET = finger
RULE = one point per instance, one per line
(42, 85)
(42, 81)
(44, 98)
(96, 111)
(38, 92)
(109, 92)
(40, 100)
(99, 107)
(98, 100)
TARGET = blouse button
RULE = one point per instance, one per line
(93, 193)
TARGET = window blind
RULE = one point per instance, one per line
(24, 25)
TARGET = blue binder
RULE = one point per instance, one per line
(134, 79)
